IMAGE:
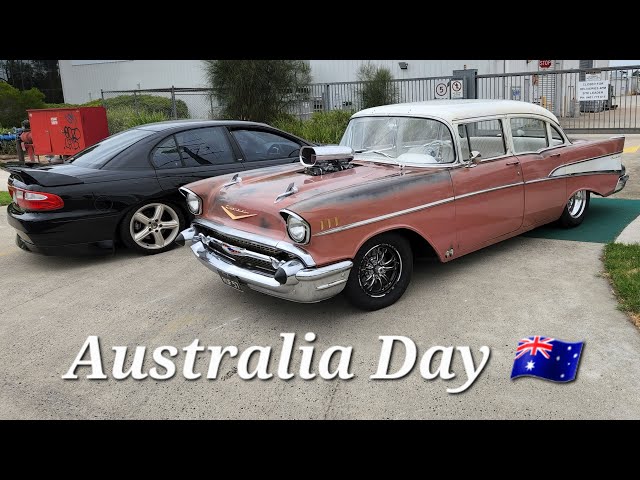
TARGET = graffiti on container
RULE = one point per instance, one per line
(71, 138)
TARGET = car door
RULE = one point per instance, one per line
(194, 154)
(539, 151)
(489, 195)
(264, 148)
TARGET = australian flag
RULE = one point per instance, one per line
(548, 358)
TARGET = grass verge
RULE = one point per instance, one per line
(622, 264)
(5, 199)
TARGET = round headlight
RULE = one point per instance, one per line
(194, 203)
(298, 229)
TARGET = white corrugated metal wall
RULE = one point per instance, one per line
(82, 80)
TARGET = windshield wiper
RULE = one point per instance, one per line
(374, 151)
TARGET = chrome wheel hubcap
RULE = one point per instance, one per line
(577, 203)
(154, 226)
(380, 270)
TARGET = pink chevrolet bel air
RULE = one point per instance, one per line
(444, 178)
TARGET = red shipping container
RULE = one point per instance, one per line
(66, 131)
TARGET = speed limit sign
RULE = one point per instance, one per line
(442, 90)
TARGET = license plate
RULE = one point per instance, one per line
(231, 281)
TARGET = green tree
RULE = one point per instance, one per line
(41, 74)
(258, 90)
(378, 88)
(14, 104)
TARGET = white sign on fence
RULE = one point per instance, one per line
(456, 89)
(441, 90)
(593, 90)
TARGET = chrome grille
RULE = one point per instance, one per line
(262, 266)
(239, 242)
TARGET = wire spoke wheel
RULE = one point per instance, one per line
(379, 270)
(154, 226)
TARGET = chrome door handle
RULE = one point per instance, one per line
(553, 155)
(513, 163)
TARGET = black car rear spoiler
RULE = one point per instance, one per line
(42, 176)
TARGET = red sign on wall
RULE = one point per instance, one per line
(545, 63)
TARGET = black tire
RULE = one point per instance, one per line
(572, 215)
(170, 215)
(397, 251)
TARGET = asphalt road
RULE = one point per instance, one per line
(521, 287)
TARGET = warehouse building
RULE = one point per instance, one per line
(83, 80)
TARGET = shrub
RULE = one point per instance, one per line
(8, 148)
(144, 104)
(322, 127)
(378, 89)
(14, 104)
(258, 90)
(124, 117)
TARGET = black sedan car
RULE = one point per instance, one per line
(125, 188)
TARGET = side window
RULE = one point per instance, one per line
(166, 154)
(259, 145)
(203, 147)
(529, 134)
(485, 137)
(556, 136)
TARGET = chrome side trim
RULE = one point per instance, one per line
(384, 217)
(615, 157)
(545, 179)
(570, 175)
(487, 190)
(253, 237)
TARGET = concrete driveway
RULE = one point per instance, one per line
(521, 287)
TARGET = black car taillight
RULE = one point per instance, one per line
(35, 201)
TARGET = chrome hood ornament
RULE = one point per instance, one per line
(291, 189)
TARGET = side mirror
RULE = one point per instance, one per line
(474, 159)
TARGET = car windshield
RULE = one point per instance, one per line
(399, 140)
(97, 155)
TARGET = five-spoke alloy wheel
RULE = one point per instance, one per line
(152, 227)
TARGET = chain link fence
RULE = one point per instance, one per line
(172, 103)
(560, 91)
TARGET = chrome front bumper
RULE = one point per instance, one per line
(302, 284)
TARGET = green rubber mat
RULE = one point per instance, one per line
(605, 219)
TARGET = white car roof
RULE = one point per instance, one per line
(455, 110)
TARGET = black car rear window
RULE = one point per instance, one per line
(97, 155)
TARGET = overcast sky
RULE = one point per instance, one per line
(615, 63)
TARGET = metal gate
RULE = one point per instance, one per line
(597, 100)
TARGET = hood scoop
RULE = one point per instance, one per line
(291, 189)
(328, 159)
